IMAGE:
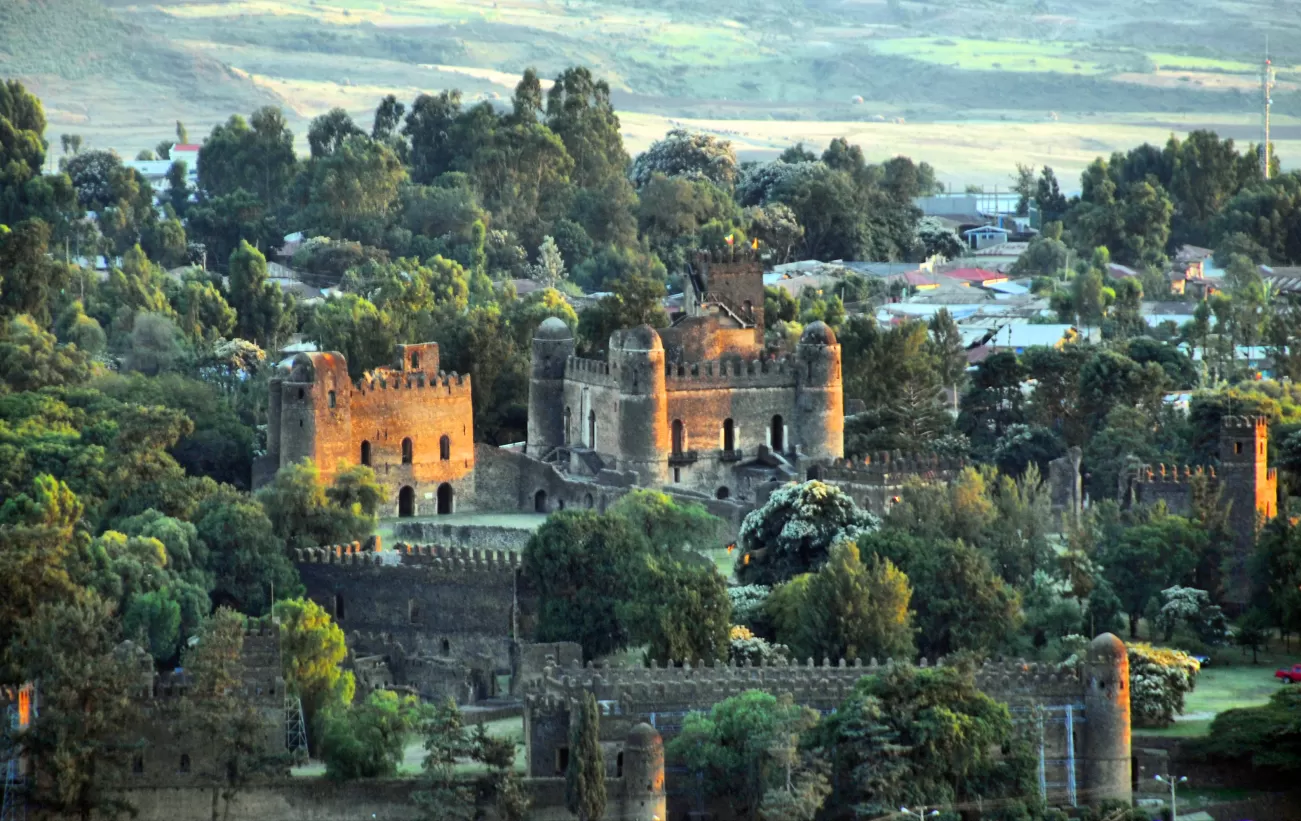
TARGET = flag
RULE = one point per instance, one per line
(729, 239)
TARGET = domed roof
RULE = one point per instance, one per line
(553, 327)
(1107, 647)
(641, 338)
(642, 736)
(818, 333)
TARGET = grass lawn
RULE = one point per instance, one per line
(1221, 688)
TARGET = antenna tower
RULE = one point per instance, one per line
(1267, 100)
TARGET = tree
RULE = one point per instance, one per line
(794, 531)
(1149, 557)
(1253, 632)
(351, 188)
(356, 328)
(256, 155)
(313, 649)
(258, 303)
(31, 359)
(636, 301)
(685, 612)
(550, 267)
(686, 154)
(367, 740)
(669, 524)
(910, 736)
(1159, 678)
(86, 681)
(247, 556)
(31, 280)
(585, 777)
(1044, 256)
(330, 131)
(579, 111)
(1025, 185)
(741, 748)
(846, 610)
(306, 515)
(934, 238)
(1265, 738)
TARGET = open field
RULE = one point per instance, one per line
(971, 86)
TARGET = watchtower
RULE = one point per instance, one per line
(643, 775)
(820, 402)
(553, 344)
(1107, 764)
(637, 358)
(1250, 487)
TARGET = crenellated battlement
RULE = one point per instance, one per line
(722, 257)
(1250, 424)
(1174, 474)
(435, 557)
(591, 371)
(385, 379)
(823, 685)
(732, 373)
(890, 468)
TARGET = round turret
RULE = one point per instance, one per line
(643, 774)
(553, 344)
(637, 360)
(818, 333)
(820, 398)
(641, 338)
(1107, 764)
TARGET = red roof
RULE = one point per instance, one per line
(974, 274)
(916, 279)
(186, 147)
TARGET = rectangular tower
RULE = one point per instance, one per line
(1250, 486)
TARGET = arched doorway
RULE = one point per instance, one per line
(407, 501)
(723, 493)
(365, 453)
(444, 499)
(587, 501)
(568, 418)
(679, 434)
(778, 434)
(729, 435)
(540, 502)
(408, 451)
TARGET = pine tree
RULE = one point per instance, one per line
(585, 778)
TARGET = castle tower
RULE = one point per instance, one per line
(643, 775)
(820, 399)
(315, 420)
(1107, 764)
(1250, 487)
(553, 344)
(637, 357)
(732, 279)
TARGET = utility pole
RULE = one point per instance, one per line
(1173, 782)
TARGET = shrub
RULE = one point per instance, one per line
(1159, 679)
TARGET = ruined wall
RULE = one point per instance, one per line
(875, 482)
(436, 601)
(510, 480)
(474, 537)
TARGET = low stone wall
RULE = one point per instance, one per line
(480, 537)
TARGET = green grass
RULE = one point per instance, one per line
(989, 55)
(1223, 687)
(413, 753)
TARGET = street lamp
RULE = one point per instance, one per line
(1173, 783)
(919, 813)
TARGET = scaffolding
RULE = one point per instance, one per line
(295, 727)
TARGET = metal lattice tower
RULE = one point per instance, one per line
(295, 726)
(1267, 100)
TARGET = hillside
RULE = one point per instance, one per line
(865, 64)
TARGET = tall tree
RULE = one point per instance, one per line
(580, 112)
(585, 793)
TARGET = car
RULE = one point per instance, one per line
(1202, 661)
(1290, 675)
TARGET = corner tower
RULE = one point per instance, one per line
(1107, 764)
(553, 344)
(315, 411)
(637, 360)
(820, 398)
(643, 775)
(1250, 487)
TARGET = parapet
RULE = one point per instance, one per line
(590, 371)
(886, 468)
(383, 379)
(718, 256)
(732, 373)
(1176, 474)
(1243, 423)
(459, 558)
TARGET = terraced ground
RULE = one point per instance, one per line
(973, 86)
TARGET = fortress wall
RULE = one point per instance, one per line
(732, 373)
(438, 601)
(603, 398)
(482, 537)
(510, 480)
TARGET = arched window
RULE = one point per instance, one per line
(591, 429)
(444, 499)
(331, 397)
(778, 434)
(540, 502)
(408, 451)
(729, 435)
(407, 501)
(301, 394)
(723, 493)
(185, 763)
(338, 606)
(445, 447)
(446, 647)
(413, 611)
(138, 764)
(568, 419)
(679, 434)
(365, 452)
(589, 503)
(415, 361)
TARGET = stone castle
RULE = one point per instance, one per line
(1244, 483)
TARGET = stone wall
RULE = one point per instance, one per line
(477, 537)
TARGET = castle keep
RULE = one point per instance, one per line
(695, 406)
(410, 422)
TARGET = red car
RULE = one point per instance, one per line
(1290, 675)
